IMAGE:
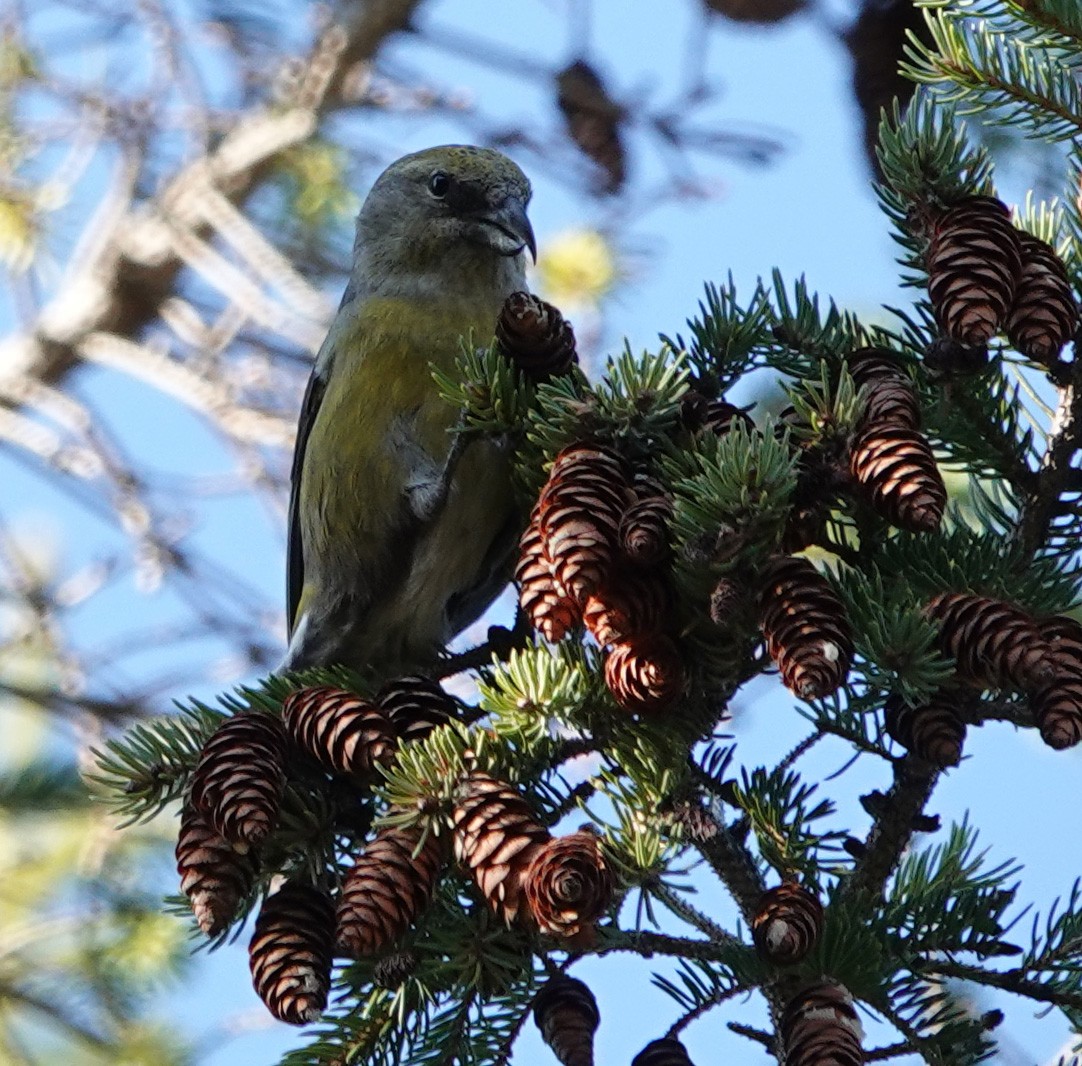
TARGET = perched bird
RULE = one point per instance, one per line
(397, 539)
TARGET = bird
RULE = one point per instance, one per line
(400, 534)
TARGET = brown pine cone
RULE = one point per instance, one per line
(213, 875)
(347, 734)
(535, 337)
(566, 1013)
(496, 836)
(291, 952)
(644, 530)
(646, 674)
(804, 626)
(974, 262)
(1064, 637)
(593, 120)
(543, 599)
(240, 778)
(889, 394)
(415, 705)
(994, 644)
(629, 604)
(758, 11)
(1044, 315)
(787, 923)
(664, 1052)
(820, 1026)
(580, 509)
(387, 889)
(931, 730)
(1057, 709)
(897, 472)
(568, 884)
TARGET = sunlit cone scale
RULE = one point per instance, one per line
(664, 1052)
(543, 600)
(1044, 315)
(568, 884)
(646, 674)
(787, 923)
(415, 705)
(630, 603)
(213, 874)
(535, 336)
(974, 262)
(291, 952)
(896, 470)
(993, 643)
(820, 1027)
(804, 626)
(387, 889)
(566, 1013)
(496, 836)
(347, 734)
(932, 730)
(240, 777)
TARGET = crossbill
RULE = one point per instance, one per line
(397, 540)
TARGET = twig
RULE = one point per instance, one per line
(1009, 980)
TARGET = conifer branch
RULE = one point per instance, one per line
(1008, 980)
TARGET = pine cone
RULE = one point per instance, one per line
(593, 121)
(213, 875)
(566, 1013)
(646, 674)
(415, 705)
(344, 732)
(889, 394)
(291, 952)
(726, 602)
(805, 628)
(787, 923)
(758, 11)
(395, 969)
(387, 889)
(644, 530)
(568, 884)
(580, 511)
(820, 1027)
(994, 644)
(629, 604)
(1064, 638)
(663, 1052)
(535, 337)
(974, 262)
(931, 730)
(240, 778)
(701, 411)
(1044, 315)
(496, 836)
(543, 599)
(1057, 709)
(897, 472)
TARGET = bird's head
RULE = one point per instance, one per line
(454, 202)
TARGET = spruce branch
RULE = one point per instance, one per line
(1017, 981)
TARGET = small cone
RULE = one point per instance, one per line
(974, 262)
(804, 626)
(994, 644)
(593, 121)
(931, 730)
(388, 888)
(291, 952)
(240, 778)
(787, 924)
(820, 1027)
(897, 472)
(535, 337)
(580, 510)
(758, 11)
(646, 674)
(1044, 315)
(394, 969)
(543, 600)
(664, 1052)
(889, 394)
(416, 705)
(1057, 708)
(213, 875)
(630, 604)
(566, 1013)
(644, 530)
(496, 836)
(568, 885)
(344, 732)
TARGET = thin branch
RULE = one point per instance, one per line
(1009, 980)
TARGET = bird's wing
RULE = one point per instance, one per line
(313, 397)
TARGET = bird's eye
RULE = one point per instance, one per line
(438, 184)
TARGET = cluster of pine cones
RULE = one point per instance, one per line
(556, 886)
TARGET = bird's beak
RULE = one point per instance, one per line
(508, 229)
